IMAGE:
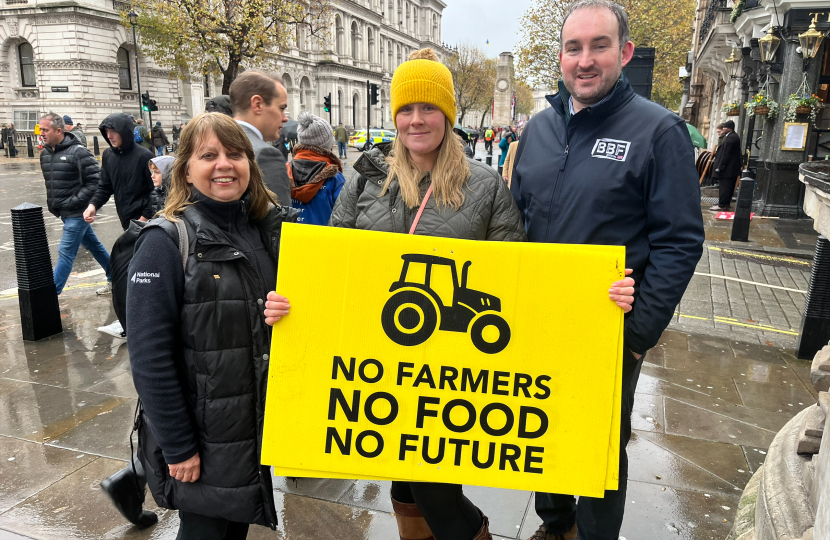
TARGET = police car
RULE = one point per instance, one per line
(358, 139)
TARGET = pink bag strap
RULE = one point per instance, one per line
(420, 210)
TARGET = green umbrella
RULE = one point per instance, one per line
(697, 138)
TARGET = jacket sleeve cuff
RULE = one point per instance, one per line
(173, 459)
(633, 341)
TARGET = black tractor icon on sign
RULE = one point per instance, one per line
(415, 309)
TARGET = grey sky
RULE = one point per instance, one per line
(476, 21)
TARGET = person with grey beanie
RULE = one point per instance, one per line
(316, 174)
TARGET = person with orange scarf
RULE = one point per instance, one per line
(316, 174)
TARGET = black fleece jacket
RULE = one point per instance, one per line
(153, 319)
(125, 173)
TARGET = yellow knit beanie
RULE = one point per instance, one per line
(423, 79)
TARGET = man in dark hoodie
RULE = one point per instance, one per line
(125, 173)
(71, 174)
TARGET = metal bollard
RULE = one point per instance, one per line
(10, 144)
(815, 324)
(489, 160)
(95, 149)
(40, 313)
(30, 150)
(743, 207)
(501, 170)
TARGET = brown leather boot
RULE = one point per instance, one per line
(411, 522)
(543, 534)
(484, 532)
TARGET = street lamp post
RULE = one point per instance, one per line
(133, 16)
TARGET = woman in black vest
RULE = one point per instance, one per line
(199, 338)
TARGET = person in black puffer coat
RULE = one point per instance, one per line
(124, 173)
(199, 337)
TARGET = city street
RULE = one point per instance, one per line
(711, 396)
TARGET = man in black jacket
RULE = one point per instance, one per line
(71, 174)
(727, 165)
(605, 166)
(125, 173)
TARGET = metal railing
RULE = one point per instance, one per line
(709, 20)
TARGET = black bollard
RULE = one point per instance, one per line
(40, 314)
(815, 324)
(501, 170)
(96, 150)
(30, 151)
(489, 160)
(12, 152)
(743, 207)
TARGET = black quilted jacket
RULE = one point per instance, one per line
(488, 211)
(71, 174)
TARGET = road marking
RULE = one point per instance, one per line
(727, 320)
(750, 282)
(760, 256)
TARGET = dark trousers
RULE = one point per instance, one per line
(199, 527)
(596, 519)
(726, 189)
(449, 514)
(488, 146)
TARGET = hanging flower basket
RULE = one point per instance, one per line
(761, 110)
(803, 109)
(734, 112)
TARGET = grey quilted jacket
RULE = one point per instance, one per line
(488, 211)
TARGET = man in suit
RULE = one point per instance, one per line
(727, 166)
(258, 102)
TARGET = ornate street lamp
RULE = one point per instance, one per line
(769, 46)
(133, 17)
(733, 65)
(810, 40)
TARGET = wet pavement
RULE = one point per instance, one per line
(710, 399)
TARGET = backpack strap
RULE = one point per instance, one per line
(178, 232)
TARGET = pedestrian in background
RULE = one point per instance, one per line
(201, 444)
(71, 174)
(161, 168)
(316, 174)
(510, 161)
(342, 137)
(159, 139)
(75, 130)
(11, 140)
(488, 140)
(508, 136)
(143, 135)
(605, 166)
(727, 166)
(4, 136)
(258, 102)
(220, 104)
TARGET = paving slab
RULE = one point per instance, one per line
(688, 421)
(755, 457)
(709, 345)
(728, 366)
(792, 397)
(107, 434)
(647, 414)
(670, 382)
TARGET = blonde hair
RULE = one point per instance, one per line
(230, 136)
(448, 176)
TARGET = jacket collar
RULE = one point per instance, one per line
(372, 164)
(619, 96)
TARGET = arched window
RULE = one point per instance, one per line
(371, 44)
(338, 38)
(125, 80)
(398, 50)
(27, 64)
(300, 37)
(389, 65)
(434, 27)
(305, 88)
(355, 108)
(355, 49)
(407, 17)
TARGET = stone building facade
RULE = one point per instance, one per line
(74, 57)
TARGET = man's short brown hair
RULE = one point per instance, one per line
(250, 84)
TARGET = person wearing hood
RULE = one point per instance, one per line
(159, 139)
(125, 173)
(71, 174)
(220, 104)
(316, 174)
(160, 169)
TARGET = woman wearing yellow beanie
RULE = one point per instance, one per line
(422, 184)
(425, 168)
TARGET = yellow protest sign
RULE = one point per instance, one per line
(432, 359)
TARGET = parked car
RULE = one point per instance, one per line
(358, 138)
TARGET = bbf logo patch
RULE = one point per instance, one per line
(610, 149)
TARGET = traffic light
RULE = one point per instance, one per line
(327, 103)
(145, 101)
(373, 94)
(153, 106)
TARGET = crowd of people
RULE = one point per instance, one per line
(201, 244)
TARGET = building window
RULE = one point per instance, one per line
(206, 84)
(125, 80)
(27, 65)
(25, 120)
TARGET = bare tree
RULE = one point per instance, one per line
(474, 77)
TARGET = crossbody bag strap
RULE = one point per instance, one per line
(184, 242)
(421, 210)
